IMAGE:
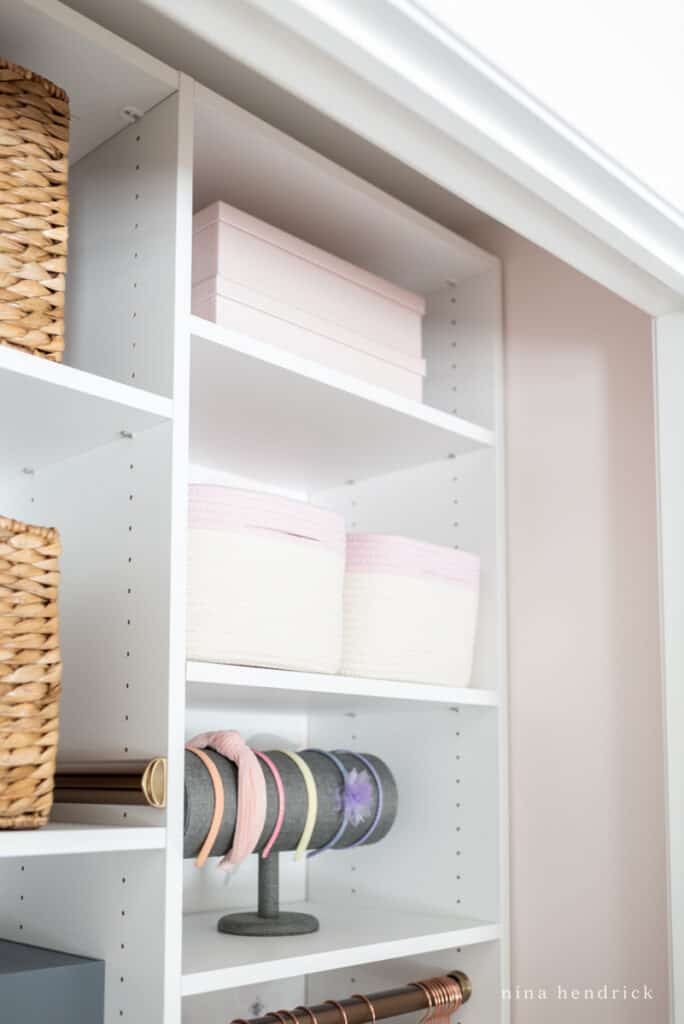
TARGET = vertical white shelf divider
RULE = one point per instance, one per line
(173, 916)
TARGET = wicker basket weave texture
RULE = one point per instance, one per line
(34, 146)
(30, 672)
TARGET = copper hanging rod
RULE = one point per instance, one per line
(392, 1003)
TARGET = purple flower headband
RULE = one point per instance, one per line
(378, 782)
(356, 798)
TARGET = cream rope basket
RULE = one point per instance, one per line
(30, 672)
(34, 209)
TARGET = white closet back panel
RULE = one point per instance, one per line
(459, 512)
(442, 854)
(254, 1000)
(112, 509)
(122, 254)
(462, 347)
(104, 906)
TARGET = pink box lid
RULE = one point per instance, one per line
(403, 556)
(216, 507)
(224, 288)
(221, 211)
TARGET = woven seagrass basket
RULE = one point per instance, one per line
(30, 672)
(34, 146)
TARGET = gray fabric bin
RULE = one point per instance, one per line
(39, 985)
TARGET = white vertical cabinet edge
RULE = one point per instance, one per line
(669, 376)
(173, 918)
(502, 645)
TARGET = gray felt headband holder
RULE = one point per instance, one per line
(199, 807)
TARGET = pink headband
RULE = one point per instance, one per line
(280, 789)
(251, 792)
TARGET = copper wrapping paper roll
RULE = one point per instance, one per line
(112, 782)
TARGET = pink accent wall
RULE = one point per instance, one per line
(587, 789)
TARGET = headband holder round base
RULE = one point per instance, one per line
(269, 920)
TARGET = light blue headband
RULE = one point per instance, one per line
(345, 814)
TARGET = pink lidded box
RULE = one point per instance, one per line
(264, 282)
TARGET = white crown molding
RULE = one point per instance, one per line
(409, 56)
(395, 77)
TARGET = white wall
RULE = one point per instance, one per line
(587, 800)
(613, 69)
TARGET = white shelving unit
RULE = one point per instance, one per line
(103, 448)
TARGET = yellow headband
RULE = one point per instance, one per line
(312, 796)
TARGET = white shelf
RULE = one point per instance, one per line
(61, 838)
(210, 683)
(350, 934)
(50, 412)
(265, 413)
(101, 74)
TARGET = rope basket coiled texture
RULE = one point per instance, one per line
(34, 210)
(30, 672)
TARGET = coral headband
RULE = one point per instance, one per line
(251, 792)
(217, 816)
